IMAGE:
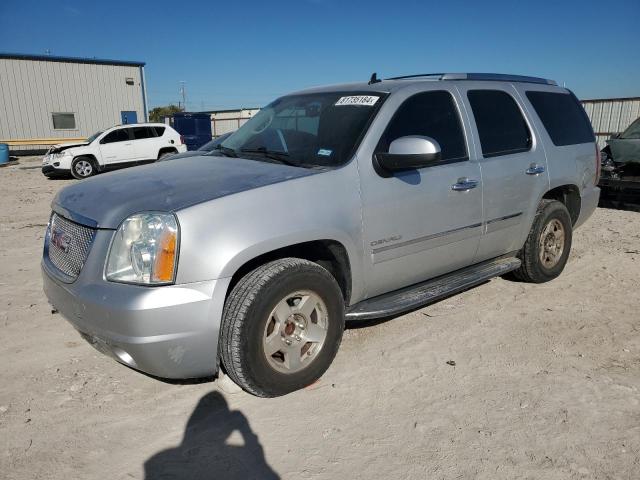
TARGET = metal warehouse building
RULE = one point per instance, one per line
(46, 99)
(611, 115)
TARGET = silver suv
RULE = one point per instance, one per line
(352, 201)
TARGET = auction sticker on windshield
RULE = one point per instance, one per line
(364, 100)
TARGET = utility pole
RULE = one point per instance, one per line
(184, 95)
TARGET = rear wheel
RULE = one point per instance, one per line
(546, 250)
(282, 326)
(166, 153)
(83, 167)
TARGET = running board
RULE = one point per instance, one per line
(414, 296)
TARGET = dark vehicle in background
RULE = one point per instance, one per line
(195, 128)
(620, 178)
(204, 149)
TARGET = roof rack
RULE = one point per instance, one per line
(500, 77)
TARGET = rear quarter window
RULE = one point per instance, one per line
(563, 117)
(159, 131)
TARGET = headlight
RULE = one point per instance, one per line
(144, 250)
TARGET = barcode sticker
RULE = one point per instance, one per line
(363, 100)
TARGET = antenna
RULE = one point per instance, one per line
(184, 95)
(374, 79)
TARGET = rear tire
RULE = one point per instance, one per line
(547, 248)
(281, 327)
(166, 153)
(83, 167)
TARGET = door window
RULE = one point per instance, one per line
(120, 135)
(501, 126)
(430, 114)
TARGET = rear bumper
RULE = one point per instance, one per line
(588, 203)
(168, 332)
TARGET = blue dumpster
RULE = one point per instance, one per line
(4, 153)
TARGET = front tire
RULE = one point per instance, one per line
(281, 328)
(83, 167)
(547, 248)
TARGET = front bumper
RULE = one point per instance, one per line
(51, 171)
(624, 189)
(168, 332)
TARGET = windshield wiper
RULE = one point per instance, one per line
(226, 151)
(280, 157)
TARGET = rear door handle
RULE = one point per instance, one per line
(464, 184)
(534, 169)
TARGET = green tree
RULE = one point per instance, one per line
(156, 114)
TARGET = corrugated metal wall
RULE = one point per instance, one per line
(31, 90)
(611, 115)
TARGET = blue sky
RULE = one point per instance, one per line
(244, 53)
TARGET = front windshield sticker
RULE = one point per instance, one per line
(324, 152)
(364, 100)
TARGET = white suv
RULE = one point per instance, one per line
(116, 147)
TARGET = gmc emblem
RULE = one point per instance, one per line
(61, 239)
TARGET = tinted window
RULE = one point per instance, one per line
(563, 117)
(120, 135)
(501, 126)
(159, 131)
(430, 114)
(140, 133)
(64, 121)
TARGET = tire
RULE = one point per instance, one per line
(166, 153)
(547, 248)
(83, 167)
(288, 300)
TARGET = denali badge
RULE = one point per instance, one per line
(382, 241)
(61, 239)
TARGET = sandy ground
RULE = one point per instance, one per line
(545, 384)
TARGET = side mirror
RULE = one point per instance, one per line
(408, 153)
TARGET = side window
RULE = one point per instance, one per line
(430, 114)
(563, 117)
(501, 126)
(159, 131)
(140, 133)
(63, 121)
(119, 135)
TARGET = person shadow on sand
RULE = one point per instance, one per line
(205, 452)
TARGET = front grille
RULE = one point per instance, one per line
(68, 244)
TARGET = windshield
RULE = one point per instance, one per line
(211, 145)
(633, 131)
(308, 130)
(93, 137)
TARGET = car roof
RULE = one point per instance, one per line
(389, 85)
(143, 124)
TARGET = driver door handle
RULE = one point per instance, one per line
(464, 184)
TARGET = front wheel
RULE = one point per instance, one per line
(281, 328)
(83, 167)
(546, 250)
